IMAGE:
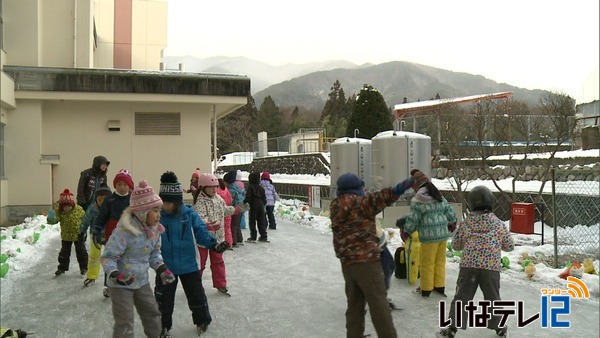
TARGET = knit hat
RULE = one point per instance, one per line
(103, 190)
(143, 198)
(170, 189)
(419, 177)
(230, 177)
(349, 183)
(265, 176)
(66, 198)
(123, 176)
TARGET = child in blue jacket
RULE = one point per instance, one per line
(183, 231)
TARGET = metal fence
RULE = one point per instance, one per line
(576, 210)
(573, 206)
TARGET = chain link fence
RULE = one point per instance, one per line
(576, 209)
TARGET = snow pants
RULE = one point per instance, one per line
(64, 256)
(217, 266)
(236, 231)
(257, 218)
(93, 266)
(365, 285)
(123, 301)
(469, 279)
(433, 265)
(194, 292)
(271, 217)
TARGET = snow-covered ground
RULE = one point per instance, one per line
(291, 287)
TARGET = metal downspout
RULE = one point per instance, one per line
(74, 33)
(214, 117)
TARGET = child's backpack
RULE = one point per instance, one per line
(400, 263)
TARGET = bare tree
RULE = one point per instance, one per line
(560, 110)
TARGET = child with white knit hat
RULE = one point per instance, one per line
(133, 247)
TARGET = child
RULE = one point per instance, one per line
(226, 196)
(238, 181)
(411, 252)
(271, 193)
(111, 211)
(356, 244)
(194, 182)
(93, 267)
(257, 199)
(387, 262)
(481, 237)
(133, 247)
(69, 215)
(430, 215)
(237, 198)
(183, 231)
(212, 210)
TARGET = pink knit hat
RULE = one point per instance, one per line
(143, 198)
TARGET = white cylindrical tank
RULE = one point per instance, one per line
(395, 153)
(353, 155)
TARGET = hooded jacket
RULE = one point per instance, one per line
(89, 180)
(132, 248)
(183, 231)
(270, 191)
(430, 217)
(481, 237)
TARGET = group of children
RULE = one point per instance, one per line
(128, 223)
(431, 221)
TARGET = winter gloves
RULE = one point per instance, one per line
(127, 278)
(400, 222)
(401, 187)
(405, 236)
(166, 276)
(98, 239)
(451, 227)
(124, 278)
(82, 237)
(242, 208)
(221, 247)
(51, 216)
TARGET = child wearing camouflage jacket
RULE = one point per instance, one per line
(356, 244)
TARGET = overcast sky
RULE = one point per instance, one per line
(535, 44)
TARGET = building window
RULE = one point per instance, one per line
(157, 123)
(2, 176)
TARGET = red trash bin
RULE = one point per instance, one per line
(522, 218)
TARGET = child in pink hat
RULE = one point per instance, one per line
(133, 247)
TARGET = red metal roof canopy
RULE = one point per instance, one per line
(400, 110)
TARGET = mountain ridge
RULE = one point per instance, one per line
(308, 85)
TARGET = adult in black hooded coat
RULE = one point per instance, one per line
(90, 180)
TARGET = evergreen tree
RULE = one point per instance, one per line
(370, 114)
(269, 118)
(335, 114)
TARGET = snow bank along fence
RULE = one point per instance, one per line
(573, 206)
